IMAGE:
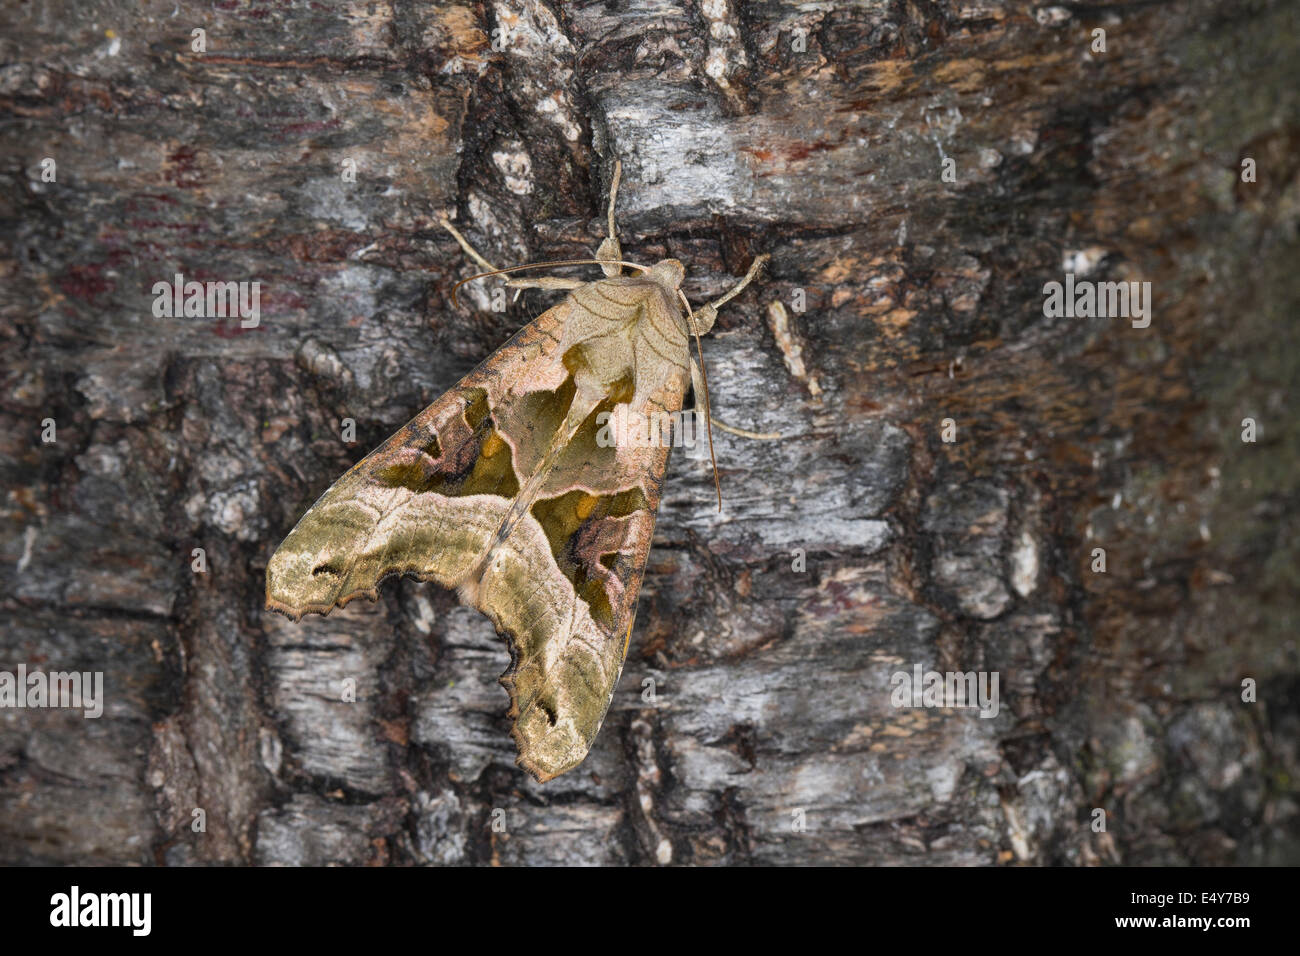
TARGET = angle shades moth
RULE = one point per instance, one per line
(501, 491)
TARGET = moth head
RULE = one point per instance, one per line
(669, 273)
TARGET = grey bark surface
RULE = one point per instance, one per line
(816, 132)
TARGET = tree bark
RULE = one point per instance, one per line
(755, 722)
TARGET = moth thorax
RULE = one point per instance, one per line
(669, 273)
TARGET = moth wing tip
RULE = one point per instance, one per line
(292, 613)
(537, 773)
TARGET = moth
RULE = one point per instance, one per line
(504, 491)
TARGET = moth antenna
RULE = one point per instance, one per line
(543, 265)
(704, 381)
(613, 194)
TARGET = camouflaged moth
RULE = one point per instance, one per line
(501, 490)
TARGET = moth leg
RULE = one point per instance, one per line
(545, 282)
(697, 385)
(469, 250)
(704, 317)
(609, 247)
(755, 268)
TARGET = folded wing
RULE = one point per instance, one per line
(502, 490)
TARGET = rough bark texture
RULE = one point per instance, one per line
(815, 131)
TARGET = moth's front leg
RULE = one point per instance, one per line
(545, 282)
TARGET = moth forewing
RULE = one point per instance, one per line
(501, 491)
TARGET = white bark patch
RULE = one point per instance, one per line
(29, 539)
(517, 168)
(1082, 262)
(725, 50)
(1024, 565)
